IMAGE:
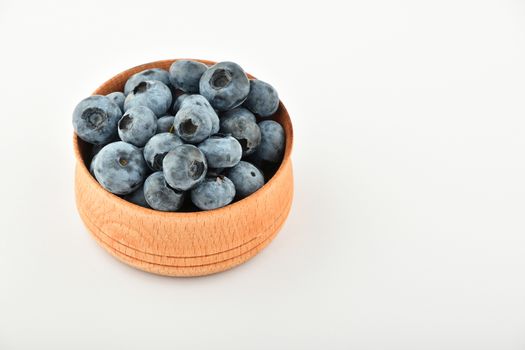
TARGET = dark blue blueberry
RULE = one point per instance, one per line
(165, 124)
(262, 99)
(221, 151)
(213, 193)
(246, 178)
(95, 119)
(137, 197)
(137, 126)
(271, 147)
(185, 75)
(184, 167)
(157, 148)
(177, 103)
(225, 85)
(159, 195)
(148, 74)
(117, 97)
(152, 94)
(240, 123)
(120, 167)
(196, 120)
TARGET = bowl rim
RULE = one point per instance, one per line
(82, 166)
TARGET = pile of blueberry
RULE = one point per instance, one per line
(196, 137)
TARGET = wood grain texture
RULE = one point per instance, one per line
(183, 244)
(187, 271)
(179, 261)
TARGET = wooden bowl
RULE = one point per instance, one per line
(183, 243)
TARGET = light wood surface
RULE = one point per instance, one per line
(183, 244)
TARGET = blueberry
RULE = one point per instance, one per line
(246, 178)
(215, 123)
(272, 141)
(159, 195)
(200, 102)
(117, 97)
(185, 75)
(137, 126)
(221, 151)
(157, 148)
(94, 151)
(196, 120)
(240, 113)
(225, 85)
(262, 99)
(95, 119)
(184, 167)
(213, 193)
(192, 127)
(165, 124)
(178, 101)
(152, 94)
(137, 197)
(120, 167)
(148, 74)
(92, 165)
(240, 123)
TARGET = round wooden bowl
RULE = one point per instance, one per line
(183, 243)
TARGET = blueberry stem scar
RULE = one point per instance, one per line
(143, 86)
(220, 78)
(188, 127)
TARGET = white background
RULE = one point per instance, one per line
(407, 229)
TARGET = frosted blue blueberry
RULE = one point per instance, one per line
(92, 165)
(221, 151)
(213, 193)
(271, 147)
(192, 127)
(225, 85)
(165, 124)
(177, 103)
(157, 148)
(186, 74)
(152, 94)
(137, 197)
(240, 113)
(240, 123)
(263, 99)
(160, 196)
(196, 120)
(137, 126)
(199, 102)
(95, 119)
(117, 97)
(148, 74)
(184, 167)
(215, 123)
(246, 177)
(94, 151)
(120, 167)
